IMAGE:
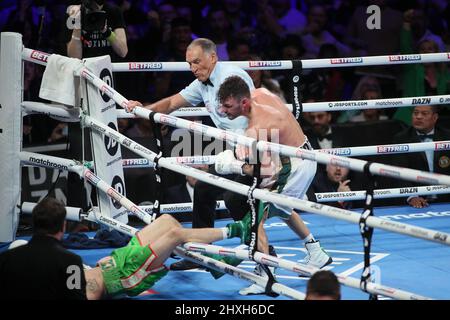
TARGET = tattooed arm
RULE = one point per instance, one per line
(95, 288)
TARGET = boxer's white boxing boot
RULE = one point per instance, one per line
(316, 256)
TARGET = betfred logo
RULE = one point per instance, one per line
(340, 162)
(106, 89)
(389, 173)
(427, 180)
(410, 57)
(38, 55)
(346, 60)
(257, 64)
(87, 75)
(144, 65)
(442, 146)
(393, 149)
(341, 151)
(134, 162)
(168, 120)
(92, 178)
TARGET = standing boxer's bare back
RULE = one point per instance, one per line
(268, 112)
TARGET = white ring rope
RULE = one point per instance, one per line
(51, 162)
(266, 195)
(354, 164)
(300, 269)
(382, 193)
(56, 111)
(183, 207)
(67, 114)
(330, 105)
(40, 57)
(348, 152)
(243, 274)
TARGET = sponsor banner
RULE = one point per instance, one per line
(393, 148)
(340, 162)
(127, 142)
(39, 56)
(346, 60)
(144, 150)
(334, 195)
(38, 181)
(338, 151)
(421, 101)
(437, 188)
(97, 128)
(107, 90)
(194, 159)
(197, 249)
(105, 147)
(444, 100)
(387, 103)
(87, 75)
(47, 163)
(427, 180)
(168, 120)
(347, 104)
(401, 57)
(144, 65)
(91, 177)
(112, 106)
(258, 64)
(442, 146)
(389, 173)
(382, 192)
(135, 162)
(409, 190)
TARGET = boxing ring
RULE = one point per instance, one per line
(192, 251)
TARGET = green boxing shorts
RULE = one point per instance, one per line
(131, 270)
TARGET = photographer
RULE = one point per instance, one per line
(97, 28)
(93, 28)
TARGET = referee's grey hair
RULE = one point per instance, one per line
(207, 45)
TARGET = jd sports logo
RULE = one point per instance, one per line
(118, 185)
(106, 76)
(111, 145)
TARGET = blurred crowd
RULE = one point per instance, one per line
(259, 30)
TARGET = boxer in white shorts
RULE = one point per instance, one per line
(269, 119)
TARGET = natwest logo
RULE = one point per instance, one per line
(255, 64)
(38, 55)
(346, 60)
(144, 65)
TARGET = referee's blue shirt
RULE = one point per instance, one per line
(198, 92)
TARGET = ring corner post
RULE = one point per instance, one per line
(10, 132)
(106, 152)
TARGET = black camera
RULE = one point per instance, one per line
(92, 18)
